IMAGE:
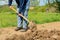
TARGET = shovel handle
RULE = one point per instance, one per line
(20, 14)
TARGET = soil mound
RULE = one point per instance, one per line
(41, 33)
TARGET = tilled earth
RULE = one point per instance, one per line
(47, 31)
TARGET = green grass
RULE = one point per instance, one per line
(40, 18)
(8, 18)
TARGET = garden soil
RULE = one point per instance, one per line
(47, 31)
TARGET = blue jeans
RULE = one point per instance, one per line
(21, 22)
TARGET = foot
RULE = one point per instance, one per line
(23, 30)
(18, 28)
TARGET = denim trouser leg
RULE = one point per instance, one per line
(19, 20)
(24, 21)
(26, 14)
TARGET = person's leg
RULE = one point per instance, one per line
(26, 14)
(24, 21)
(19, 21)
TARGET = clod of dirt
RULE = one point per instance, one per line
(32, 26)
(54, 36)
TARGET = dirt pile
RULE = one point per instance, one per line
(34, 35)
(44, 35)
(49, 31)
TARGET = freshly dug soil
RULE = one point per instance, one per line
(48, 31)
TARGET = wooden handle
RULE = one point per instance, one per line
(20, 14)
(14, 9)
(24, 17)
